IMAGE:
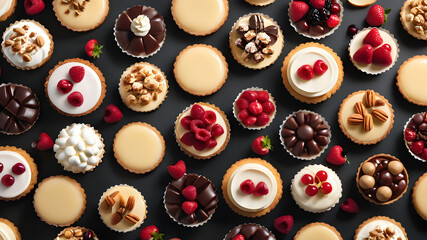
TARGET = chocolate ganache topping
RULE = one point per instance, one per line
(140, 45)
(19, 108)
(251, 231)
(257, 40)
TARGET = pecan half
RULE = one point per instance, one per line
(369, 98)
(130, 203)
(379, 103)
(355, 119)
(360, 108)
(132, 218)
(368, 123)
(380, 115)
(122, 201)
(114, 194)
(116, 218)
(121, 211)
(110, 201)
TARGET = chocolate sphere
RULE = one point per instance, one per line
(384, 193)
(305, 133)
(368, 168)
(366, 182)
(386, 179)
(395, 167)
(418, 119)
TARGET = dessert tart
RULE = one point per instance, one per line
(202, 131)
(382, 179)
(81, 15)
(316, 188)
(252, 187)
(298, 72)
(305, 135)
(202, 205)
(361, 3)
(366, 117)
(415, 133)
(373, 50)
(77, 233)
(19, 109)
(250, 231)
(318, 231)
(200, 69)
(256, 41)
(79, 148)
(140, 31)
(27, 44)
(260, 2)
(143, 87)
(18, 173)
(380, 227)
(122, 208)
(411, 80)
(419, 192)
(8, 230)
(7, 8)
(199, 18)
(139, 147)
(413, 18)
(75, 87)
(59, 201)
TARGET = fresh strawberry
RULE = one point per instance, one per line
(43, 143)
(261, 189)
(150, 233)
(77, 73)
(190, 193)
(350, 206)
(305, 72)
(33, 7)
(243, 115)
(249, 121)
(268, 107)
(93, 48)
(177, 170)
(251, 96)
(284, 224)
(320, 67)
(189, 207)
(336, 156)
(318, 4)
(298, 10)
(262, 96)
(382, 56)
(239, 237)
(373, 38)
(112, 114)
(75, 99)
(333, 21)
(364, 54)
(417, 147)
(377, 16)
(261, 145)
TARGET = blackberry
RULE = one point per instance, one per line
(314, 17)
(325, 14)
(328, 4)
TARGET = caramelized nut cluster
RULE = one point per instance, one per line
(24, 42)
(382, 234)
(124, 210)
(418, 16)
(77, 233)
(74, 5)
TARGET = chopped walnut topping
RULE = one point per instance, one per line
(258, 57)
(251, 48)
(418, 15)
(76, 6)
(379, 233)
(243, 27)
(249, 35)
(268, 50)
(263, 38)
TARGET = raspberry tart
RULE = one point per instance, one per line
(415, 135)
(250, 231)
(202, 130)
(254, 108)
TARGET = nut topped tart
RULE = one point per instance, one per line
(76, 233)
(27, 44)
(411, 80)
(8, 230)
(316, 188)
(382, 179)
(19, 109)
(312, 72)
(252, 187)
(81, 15)
(191, 200)
(380, 227)
(412, 16)
(143, 87)
(202, 131)
(318, 231)
(122, 208)
(250, 231)
(373, 50)
(415, 136)
(366, 117)
(7, 8)
(75, 87)
(140, 31)
(419, 194)
(260, 2)
(256, 41)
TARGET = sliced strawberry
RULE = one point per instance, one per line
(298, 10)
(382, 56)
(364, 54)
(373, 38)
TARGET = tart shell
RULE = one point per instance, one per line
(379, 218)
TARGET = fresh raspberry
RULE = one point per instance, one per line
(249, 95)
(243, 114)
(298, 10)
(255, 108)
(318, 4)
(185, 122)
(242, 103)
(263, 96)
(203, 135)
(75, 99)
(261, 189)
(333, 21)
(189, 193)
(33, 7)
(188, 138)
(320, 67)
(209, 117)
(373, 38)
(284, 224)
(211, 143)
(196, 124)
(77, 73)
(112, 114)
(249, 121)
(382, 56)
(178, 170)
(262, 119)
(305, 72)
(268, 107)
(189, 207)
(350, 206)
(197, 111)
(364, 54)
(247, 187)
(217, 130)
(64, 86)
(44, 142)
(199, 145)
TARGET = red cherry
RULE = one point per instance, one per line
(268, 107)
(417, 147)
(326, 188)
(321, 176)
(249, 121)
(247, 186)
(336, 9)
(251, 96)
(262, 96)
(307, 179)
(1, 167)
(64, 86)
(8, 180)
(75, 99)
(311, 190)
(18, 168)
(242, 103)
(197, 111)
(410, 135)
(255, 108)
(243, 114)
(333, 21)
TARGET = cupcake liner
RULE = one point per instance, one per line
(386, 68)
(320, 36)
(302, 157)
(186, 225)
(122, 231)
(406, 144)
(274, 237)
(272, 116)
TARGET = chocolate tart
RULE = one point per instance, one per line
(19, 109)
(250, 231)
(415, 132)
(207, 200)
(140, 46)
(382, 179)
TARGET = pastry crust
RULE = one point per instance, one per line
(240, 163)
(412, 32)
(33, 166)
(12, 226)
(308, 226)
(399, 80)
(300, 97)
(260, 3)
(414, 189)
(94, 68)
(379, 218)
(9, 13)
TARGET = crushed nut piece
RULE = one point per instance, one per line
(249, 35)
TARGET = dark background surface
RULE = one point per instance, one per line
(113, 62)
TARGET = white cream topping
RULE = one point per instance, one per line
(382, 224)
(5, 6)
(319, 85)
(78, 148)
(249, 202)
(140, 25)
(320, 202)
(8, 159)
(6, 232)
(38, 55)
(89, 87)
